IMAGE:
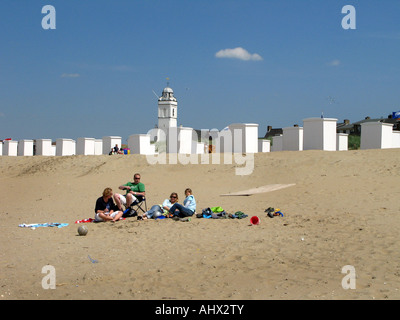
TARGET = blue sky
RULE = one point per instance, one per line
(94, 75)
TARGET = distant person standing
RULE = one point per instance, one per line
(134, 191)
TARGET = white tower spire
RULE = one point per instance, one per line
(167, 109)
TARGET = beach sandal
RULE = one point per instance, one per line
(240, 215)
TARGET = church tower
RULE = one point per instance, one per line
(167, 109)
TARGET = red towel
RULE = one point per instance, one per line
(85, 220)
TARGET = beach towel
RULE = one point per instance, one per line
(85, 220)
(89, 220)
(37, 225)
(216, 209)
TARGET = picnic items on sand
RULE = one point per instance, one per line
(254, 220)
(271, 212)
(219, 213)
(238, 215)
(213, 212)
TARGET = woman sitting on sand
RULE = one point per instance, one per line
(104, 209)
(187, 209)
(167, 204)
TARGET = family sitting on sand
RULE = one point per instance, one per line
(106, 210)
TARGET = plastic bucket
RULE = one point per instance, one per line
(255, 220)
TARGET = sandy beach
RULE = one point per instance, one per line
(342, 209)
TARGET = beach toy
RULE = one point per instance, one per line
(271, 212)
(278, 213)
(83, 230)
(255, 220)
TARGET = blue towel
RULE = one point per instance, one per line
(37, 225)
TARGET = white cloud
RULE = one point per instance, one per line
(334, 63)
(70, 75)
(238, 53)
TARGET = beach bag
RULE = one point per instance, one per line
(217, 213)
(129, 213)
(206, 213)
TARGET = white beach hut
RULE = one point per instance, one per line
(264, 145)
(292, 138)
(319, 134)
(85, 146)
(98, 147)
(109, 142)
(342, 141)
(44, 147)
(25, 147)
(185, 135)
(140, 144)
(376, 135)
(10, 148)
(396, 139)
(65, 147)
(277, 143)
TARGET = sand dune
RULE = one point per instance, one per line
(342, 209)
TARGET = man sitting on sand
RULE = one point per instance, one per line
(134, 190)
(104, 209)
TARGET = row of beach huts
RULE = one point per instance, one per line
(315, 134)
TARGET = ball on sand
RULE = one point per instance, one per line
(83, 230)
